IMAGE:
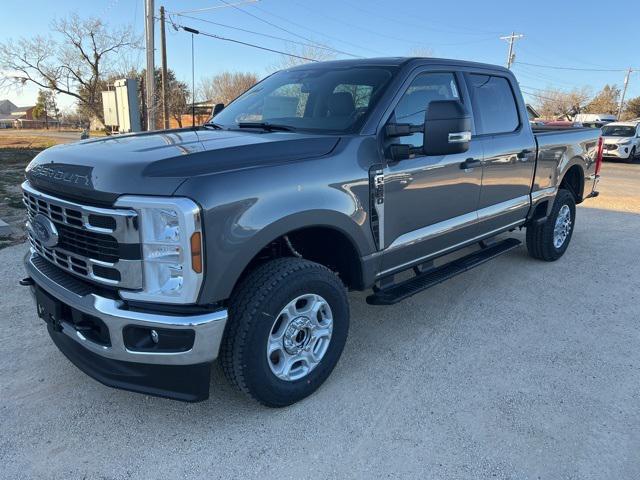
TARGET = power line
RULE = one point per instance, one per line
(278, 26)
(215, 7)
(266, 35)
(546, 61)
(538, 96)
(543, 89)
(226, 39)
(304, 27)
(523, 71)
(377, 33)
(533, 88)
(422, 25)
(555, 67)
(359, 27)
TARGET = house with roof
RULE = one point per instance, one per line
(12, 116)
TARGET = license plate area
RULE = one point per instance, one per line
(49, 309)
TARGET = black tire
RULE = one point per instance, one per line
(632, 156)
(540, 236)
(255, 305)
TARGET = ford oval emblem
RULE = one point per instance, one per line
(44, 231)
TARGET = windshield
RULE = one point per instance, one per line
(618, 131)
(324, 100)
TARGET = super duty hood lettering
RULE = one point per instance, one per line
(157, 163)
(78, 175)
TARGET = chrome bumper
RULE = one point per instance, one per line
(208, 327)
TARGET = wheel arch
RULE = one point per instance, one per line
(573, 179)
(330, 238)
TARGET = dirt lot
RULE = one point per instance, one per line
(518, 369)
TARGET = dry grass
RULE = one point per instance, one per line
(26, 142)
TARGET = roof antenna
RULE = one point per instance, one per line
(192, 31)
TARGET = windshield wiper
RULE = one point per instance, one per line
(270, 127)
(215, 126)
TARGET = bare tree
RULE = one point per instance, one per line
(420, 52)
(552, 103)
(301, 55)
(75, 66)
(225, 87)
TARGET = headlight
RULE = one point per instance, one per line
(171, 241)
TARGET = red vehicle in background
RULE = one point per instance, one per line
(563, 124)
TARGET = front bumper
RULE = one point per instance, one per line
(622, 152)
(183, 375)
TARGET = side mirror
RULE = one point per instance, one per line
(217, 108)
(447, 128)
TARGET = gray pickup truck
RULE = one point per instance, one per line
(154, 254)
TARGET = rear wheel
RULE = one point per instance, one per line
(549, 240)
(287, 328)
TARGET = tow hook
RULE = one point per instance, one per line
(27, 282)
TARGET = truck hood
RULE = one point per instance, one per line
(156, 163)
(616, 140)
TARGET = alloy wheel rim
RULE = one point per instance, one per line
(562, 227)
(299, 337)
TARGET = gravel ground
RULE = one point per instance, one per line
(12, 211)
(517, 369)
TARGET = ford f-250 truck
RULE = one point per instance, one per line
(154, 254)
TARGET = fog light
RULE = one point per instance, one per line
(165, 340)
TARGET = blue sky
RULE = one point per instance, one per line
(570, 34)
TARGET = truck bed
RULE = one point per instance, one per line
(558, 147)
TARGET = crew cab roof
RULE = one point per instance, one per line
(395, 62)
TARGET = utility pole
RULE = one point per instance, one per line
(163, 50)
(511, 56)
(624, 91)
(150, 80)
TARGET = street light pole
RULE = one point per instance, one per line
(163, 48)
(150, 74)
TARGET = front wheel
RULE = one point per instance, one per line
(287, 328)
(549, 240)
(632, 155)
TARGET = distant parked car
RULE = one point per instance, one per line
(621, 140)
(602, 118)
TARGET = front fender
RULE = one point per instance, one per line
(243, 212)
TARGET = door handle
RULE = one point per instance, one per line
(470, 163)
(523, 154)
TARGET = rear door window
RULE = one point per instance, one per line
(494, 106)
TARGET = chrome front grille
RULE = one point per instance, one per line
(99, 244)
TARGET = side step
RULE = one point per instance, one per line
(400, 291)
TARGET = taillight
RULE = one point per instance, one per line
(599, 156)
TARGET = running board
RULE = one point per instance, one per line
(400, 291)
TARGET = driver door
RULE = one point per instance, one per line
(430, 202)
